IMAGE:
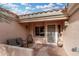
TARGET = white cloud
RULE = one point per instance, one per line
(33, 8)
(46, 7)
(21, 12)
(14, 8)
(27, 12)
(50, 6)
(59, 3)
(56, 7)
(28, 8)
(24, 3)
(41, 7)
(11, 5)
(59, 6)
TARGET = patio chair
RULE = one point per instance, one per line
(30, 41)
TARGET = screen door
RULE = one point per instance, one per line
(51, 33)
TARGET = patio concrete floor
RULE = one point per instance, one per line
(50, 51)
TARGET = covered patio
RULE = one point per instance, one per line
(44, 27)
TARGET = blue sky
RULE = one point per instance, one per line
(26, 8)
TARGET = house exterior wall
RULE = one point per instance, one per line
(71, 34)
(11, 30)
(31, 26)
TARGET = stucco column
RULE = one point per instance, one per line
(45, 32)
(56, 33)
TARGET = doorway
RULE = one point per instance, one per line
(52, 33)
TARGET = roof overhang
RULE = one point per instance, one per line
(6, 15)
(57, 18)
(7, 12)
(72, 8)
(43, 16)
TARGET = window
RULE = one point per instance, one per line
(39, 31)
(59, 28)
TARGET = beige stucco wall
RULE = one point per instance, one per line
(71, 34)
(11, 30)
(7, 50)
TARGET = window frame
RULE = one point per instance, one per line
(39, 31)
